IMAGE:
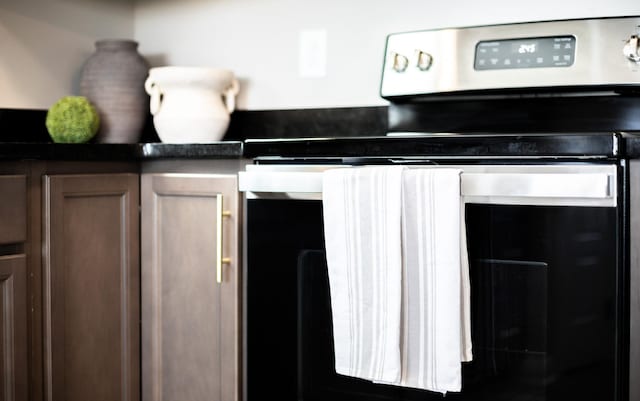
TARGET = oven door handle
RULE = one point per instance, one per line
(536, 185)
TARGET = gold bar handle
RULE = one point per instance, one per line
(221, 214)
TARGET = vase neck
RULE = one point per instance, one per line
(116, 44)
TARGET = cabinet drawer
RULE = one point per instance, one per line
(13, 209)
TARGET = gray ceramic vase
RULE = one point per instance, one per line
(113, 80)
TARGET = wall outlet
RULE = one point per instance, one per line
(312, 53)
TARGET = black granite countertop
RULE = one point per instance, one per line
(360, 132)
(604, 146)
(120, 152)
(23, 135)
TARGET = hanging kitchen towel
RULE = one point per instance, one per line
(465, 289)
(435, 327)
(362, 237)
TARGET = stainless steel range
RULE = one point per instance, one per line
(573, 55)
(545, 114)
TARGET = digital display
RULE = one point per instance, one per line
(525, 48)
(558, 51)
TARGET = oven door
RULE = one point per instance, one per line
(543, 249)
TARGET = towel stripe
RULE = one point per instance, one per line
(404, 312)
(433, 280)
(349, 267)
(385, 273)
(358, 265)
(421, 280)
(375, 279)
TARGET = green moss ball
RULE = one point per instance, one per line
(72, 119)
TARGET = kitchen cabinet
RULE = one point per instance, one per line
(13, 209)
(90, 277)
(190, 287)
(70, 270)
(13, 286)
(13, 333)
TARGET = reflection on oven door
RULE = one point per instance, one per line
(543, 282)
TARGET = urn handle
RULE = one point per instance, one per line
(156, 95)
(230, 95)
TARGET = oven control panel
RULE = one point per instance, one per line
(559, 51)
(586, 53)
(632, 47)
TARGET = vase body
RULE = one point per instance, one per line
(113, 80)
(191, 104)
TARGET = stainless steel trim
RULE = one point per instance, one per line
(599, 59)
(426, 160)
(567, 184)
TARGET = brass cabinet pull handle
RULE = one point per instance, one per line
(221, 214)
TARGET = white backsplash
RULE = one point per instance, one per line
(259, 40)
(43, 43)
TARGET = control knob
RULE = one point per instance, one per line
(400, 62)
(632, 48)
(424, 60)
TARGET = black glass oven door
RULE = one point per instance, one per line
(543, 283)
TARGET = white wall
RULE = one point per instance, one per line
(258, 39)
(44, 44)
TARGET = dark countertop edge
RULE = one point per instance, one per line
(218, 150)
(454, 145)
(467, 145)
(120, 152)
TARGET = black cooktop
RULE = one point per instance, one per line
(462, 146)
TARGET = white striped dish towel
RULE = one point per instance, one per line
(398, 274)
(436, 333)
(362, 237)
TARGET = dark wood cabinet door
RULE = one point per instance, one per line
(13, 209)
(190, 320)
(13, 330)
(91, 287)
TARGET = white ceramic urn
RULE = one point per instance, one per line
(191, 104)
